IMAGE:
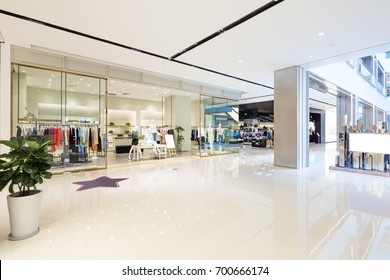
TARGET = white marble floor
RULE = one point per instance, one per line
(237, 206)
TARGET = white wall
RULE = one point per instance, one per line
(330, 126)
(146, 110)
(345, 77)
(327, 100)
(195, 113)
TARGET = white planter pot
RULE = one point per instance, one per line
(24, 215)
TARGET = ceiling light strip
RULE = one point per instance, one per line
(124, 46)
(256, 12)
(222, 74)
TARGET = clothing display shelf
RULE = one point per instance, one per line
(71, 142)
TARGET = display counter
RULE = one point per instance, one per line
(122, 144)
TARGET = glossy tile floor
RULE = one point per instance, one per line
(236, 206)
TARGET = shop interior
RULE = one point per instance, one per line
(257, 124)
(94, 122)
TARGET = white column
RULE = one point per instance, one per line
(291, 118)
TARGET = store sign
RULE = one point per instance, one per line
(369, 143)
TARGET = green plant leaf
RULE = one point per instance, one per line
(19, 141)
(46, 175)
(33, 145)
(5, 178)
(27, 164)
(9, 143)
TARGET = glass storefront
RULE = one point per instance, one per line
(92, 122)
(136, 111)
(219, 126)
(68, 109)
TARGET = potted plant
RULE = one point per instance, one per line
(179, 138)
(24, 166)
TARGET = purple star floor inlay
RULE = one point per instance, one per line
(104, 181)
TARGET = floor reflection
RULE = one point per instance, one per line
(237, 206)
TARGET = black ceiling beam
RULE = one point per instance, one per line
(40, 22)
(256, 12)
(222, 74)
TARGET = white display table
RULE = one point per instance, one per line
(136, 151)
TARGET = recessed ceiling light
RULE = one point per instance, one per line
(311, 56)
(240, 61)
(321, 34)
(88, 85)
(133, 85)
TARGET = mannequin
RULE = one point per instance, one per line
(211, 137)
(153, 133)
(201, 131)
(134, 133)
(201, 136)
(220, 133)
(135, 141)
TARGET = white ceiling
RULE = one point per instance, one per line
(283, 36)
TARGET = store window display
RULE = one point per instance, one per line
(222, 133)
(67, 109)
(210, 137)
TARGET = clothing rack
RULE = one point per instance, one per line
(30, 116)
